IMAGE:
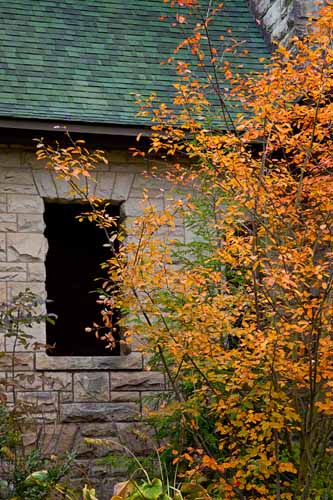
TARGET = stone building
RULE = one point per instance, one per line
(282, 19)
(76, 65)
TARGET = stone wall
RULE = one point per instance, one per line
(76, 397)
(282, 19)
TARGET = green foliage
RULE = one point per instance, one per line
(26, 475)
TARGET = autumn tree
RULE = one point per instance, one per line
(240, 318)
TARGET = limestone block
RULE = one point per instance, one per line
(27, 380)
(16, 176)
(8, 223)
(91, 386)
(63, 363)
(45, 184)
(150, 381)
(10, 157)
(66, 397)
(56, 439)
(43, 416)
(133, 207)
(40, 400)
(110, 445)
(99, 429)
(16, 287)
(63, 190)
(105, 182)
(30, 223)
(26, 247)
(24, 203)
(87, 184)
(57, 381)
(23, 361)
(13, 272)
(36, 271)
(121, 397)
(18, 189)
(155, 186)
(136, 436)
(99, 412)
(122, 186)
(35, 334)
(28, 159)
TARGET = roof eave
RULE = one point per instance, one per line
(74, 127)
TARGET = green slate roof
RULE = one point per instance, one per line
(83, 60)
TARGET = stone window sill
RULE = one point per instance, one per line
(132, 361)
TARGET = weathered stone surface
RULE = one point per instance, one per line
(63, 190)
(99, 412)
(35, 334)
(27, 380)
(16, 189)
(137, 380)
(57, 381)
(66, 397)
(28, 159)
(26, 247)
(87, 184)
(105, 182)
(133, 207)
(8, 223)
(63, 363)
(56, 439)
(41, 400)
(121, 397)
(21, 203)
(281, 19)
(99, 430)
(122, 186)
(91, 386)
(110, 445)
(30, 223)
(36, 271)
(16, 176)
(10, 157)
(16, 287)
(155, 187)
(13, 272)
(136, 436)
(22, 361)
(45, 184)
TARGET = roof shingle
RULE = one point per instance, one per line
(84, 60)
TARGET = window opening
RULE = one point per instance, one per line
(72, 265)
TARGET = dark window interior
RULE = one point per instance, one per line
(72, 265)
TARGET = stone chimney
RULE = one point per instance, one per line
(282, 19)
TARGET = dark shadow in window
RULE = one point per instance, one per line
(72, 265)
